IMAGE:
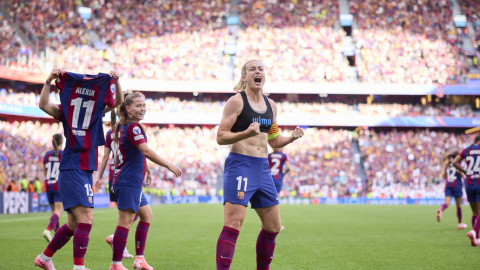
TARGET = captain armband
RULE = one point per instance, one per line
(273, 132)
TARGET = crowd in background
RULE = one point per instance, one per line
(396, 42)
(397, 164)
(313, 108)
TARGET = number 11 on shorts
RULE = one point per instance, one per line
(239, 186)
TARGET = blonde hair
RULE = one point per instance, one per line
(57, 141)
(122, 112)
(241, 85)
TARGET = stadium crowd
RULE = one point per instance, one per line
(206, 106)
(175, 40)
(397, 164)
(404, 164)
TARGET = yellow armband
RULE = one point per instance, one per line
(273, 132)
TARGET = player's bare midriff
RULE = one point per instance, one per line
(255, 146)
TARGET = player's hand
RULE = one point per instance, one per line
(148, 179)
(114, 74)
(297, 133)
(98, 184)
(54, 74)
(253, 129)
(175, 170)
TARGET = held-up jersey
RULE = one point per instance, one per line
(132, 164)
(277, 161)
(52, 163)
(471, 156)
(454, 178)
(82, 103)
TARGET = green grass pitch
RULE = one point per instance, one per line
(315, 237)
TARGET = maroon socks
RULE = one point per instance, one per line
(60, 238)
(119, 243)
(226, 247)
(141, 237)
(80, 242)
(265, 248)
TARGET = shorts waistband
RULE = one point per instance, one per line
(248, 158)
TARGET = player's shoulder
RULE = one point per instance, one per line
(135, 128)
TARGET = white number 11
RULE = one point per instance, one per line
(239, 187)
(77, 103)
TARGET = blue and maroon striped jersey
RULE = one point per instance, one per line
(454, 178)
(82, 103)
(471, 156)
(277, 161)
(132, 164)
(52, 164)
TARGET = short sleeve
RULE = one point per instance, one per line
(110, 94)
(135, 134)
(462, 154)
(61, 80)
(45, 158)
(286, 158)
(61, 117)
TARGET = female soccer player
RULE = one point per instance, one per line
(453, 188)
(51, 163)
(83, 101)
(129, 177)
(472, 187)
(107, 149)
(248, 123)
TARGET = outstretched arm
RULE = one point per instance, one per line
(150, 154)
(44, 104)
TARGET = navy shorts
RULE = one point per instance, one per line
(455, 192)
(76, 188)
(113, 196)
(473, 193)
(129, 197)
(53, 196)
(247, 179)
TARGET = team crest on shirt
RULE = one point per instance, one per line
(137, 131)
(241, 195)
(112, 88)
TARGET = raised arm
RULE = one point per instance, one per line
(151, 155)
(118, 92)
(278, 141)
(44, 104)
(232, 109)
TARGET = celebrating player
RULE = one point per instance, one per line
(83, 101)
(107, 149)
(129, 177)
(51, 163)
(248, 123)
(453, 188)
(471, 156)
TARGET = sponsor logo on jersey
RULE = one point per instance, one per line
(138, 137)
(78, 132)
(262, 121)
(137, 131)
(241, 195)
